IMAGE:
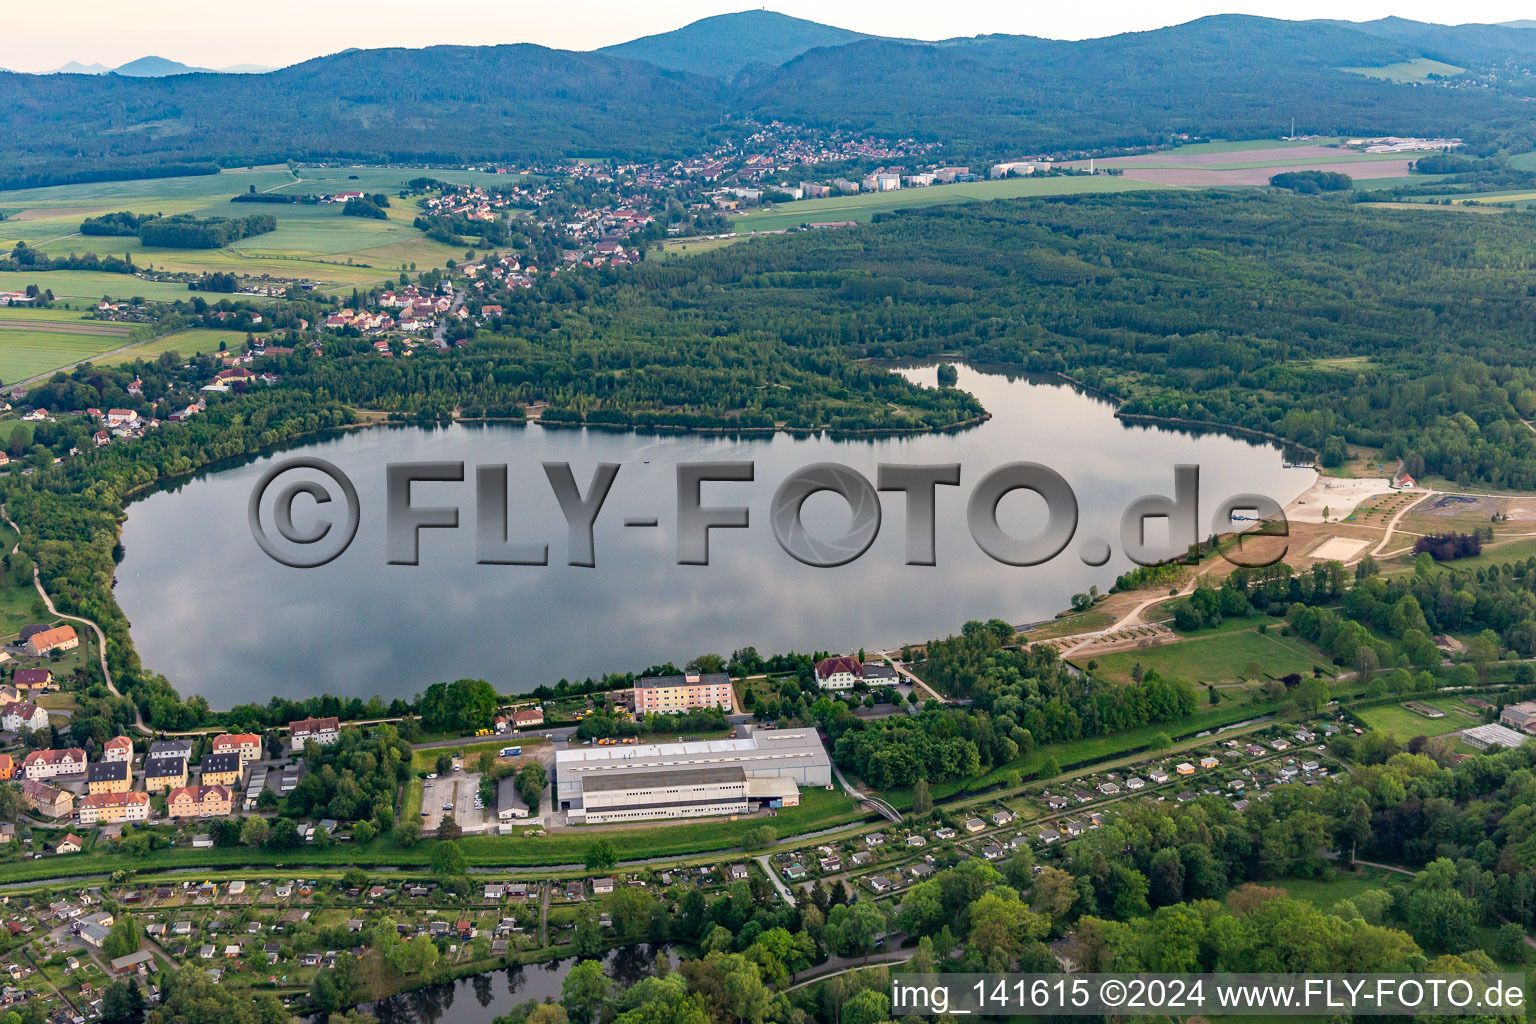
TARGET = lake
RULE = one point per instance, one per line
(481, 998)
(219, 618)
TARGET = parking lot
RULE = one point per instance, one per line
(458, 789)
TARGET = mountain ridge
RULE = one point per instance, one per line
(984, 98)
(722, 45)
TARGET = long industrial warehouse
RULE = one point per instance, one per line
(688, 780)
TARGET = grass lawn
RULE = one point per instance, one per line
(411, 807)
(1323, 893)
(1235, 624)
(19, 600)
(195, 341)
(1067, 625)
(1405, 724)
(1496, 553)
(1218, 657)
(426, 760)
(864, 206)
(680, 247)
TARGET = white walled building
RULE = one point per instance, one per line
(695, 779)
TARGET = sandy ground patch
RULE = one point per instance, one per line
(1338, 549)
(1338, 495)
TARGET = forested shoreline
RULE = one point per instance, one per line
(1320, 322)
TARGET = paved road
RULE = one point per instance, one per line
(773, 876)
(440, 334)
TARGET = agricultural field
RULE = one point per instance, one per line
(311, 242)
(193, 342)
(1420, 69)
(81, 289)
(33, 342)
(1254, 164)
(864, 206)
(1217, 658)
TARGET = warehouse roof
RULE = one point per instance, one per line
(785, 748)
(683, 775)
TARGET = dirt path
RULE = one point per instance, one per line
(1392, 523)
(101, 637)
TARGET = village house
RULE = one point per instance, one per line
(71, 843)
(118, 748)
(18, 715)
(47, 800)
(47, 764)
(59, 638)
(525, 718)
(838, 673)
(198, 802)
(323, 731)
(32, 680)
(246, 744)
(7, 767)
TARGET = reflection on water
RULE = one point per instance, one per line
(481, 998)
(221, 619)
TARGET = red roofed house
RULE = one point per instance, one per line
(198, 802)
(323, 731)
(118, 748)
(246, 744)
(45, 764)
(18, 715)
(523, 718)
(108, 808)
(234, 375)
(838, 673)
(61, 638)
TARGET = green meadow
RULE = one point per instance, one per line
(312, 242)
(1417, 70)
(1218, 657)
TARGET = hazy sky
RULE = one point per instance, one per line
(42, 36)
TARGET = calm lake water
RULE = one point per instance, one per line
(482, 998)
(221, 619)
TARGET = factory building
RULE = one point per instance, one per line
(689, 780)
